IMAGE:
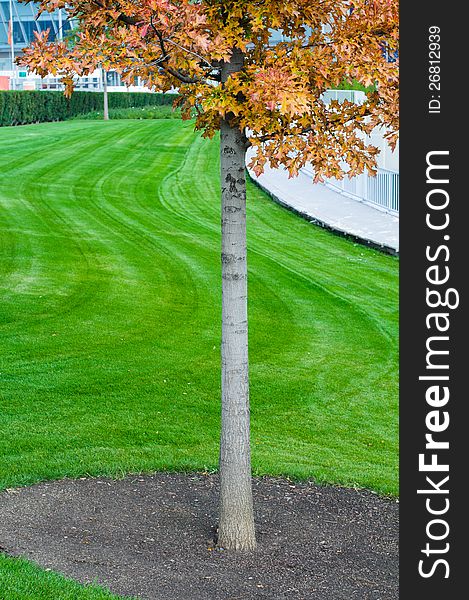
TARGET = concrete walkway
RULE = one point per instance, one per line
(334, 211)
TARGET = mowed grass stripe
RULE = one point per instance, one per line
(110, 308)
(346, 305)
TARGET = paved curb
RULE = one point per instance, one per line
(333, 229)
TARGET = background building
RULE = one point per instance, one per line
(24, 25)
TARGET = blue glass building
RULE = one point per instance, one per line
(24, 25)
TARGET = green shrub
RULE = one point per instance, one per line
(355, 85)
(23, 107)
(143, 112)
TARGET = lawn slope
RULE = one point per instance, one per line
(110, 309)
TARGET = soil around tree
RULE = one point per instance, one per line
(153, 537)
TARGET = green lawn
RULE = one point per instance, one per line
(109, 320)
(21, 580)
(110, 309)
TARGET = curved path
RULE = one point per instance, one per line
(336, 212)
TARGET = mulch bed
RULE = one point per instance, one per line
(152, 537)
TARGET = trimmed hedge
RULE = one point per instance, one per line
(23, 107)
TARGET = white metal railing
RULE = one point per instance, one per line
(381, 191)
(355, 96)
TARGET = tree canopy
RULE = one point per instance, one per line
(274, 94)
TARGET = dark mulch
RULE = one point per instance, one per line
(152, 536)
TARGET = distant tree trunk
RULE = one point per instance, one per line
(105, 97)
(236, 526)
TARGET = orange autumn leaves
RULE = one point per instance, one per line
(277, 96)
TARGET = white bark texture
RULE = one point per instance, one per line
(105, 97)
(236, 526)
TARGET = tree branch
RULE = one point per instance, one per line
(174, 72)
(267, 138)
(162, 62)
(169, 40)
(183, 78)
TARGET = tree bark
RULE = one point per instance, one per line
(105, 97)
(236, 526)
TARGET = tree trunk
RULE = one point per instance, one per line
(236, 526)
(105, 97)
